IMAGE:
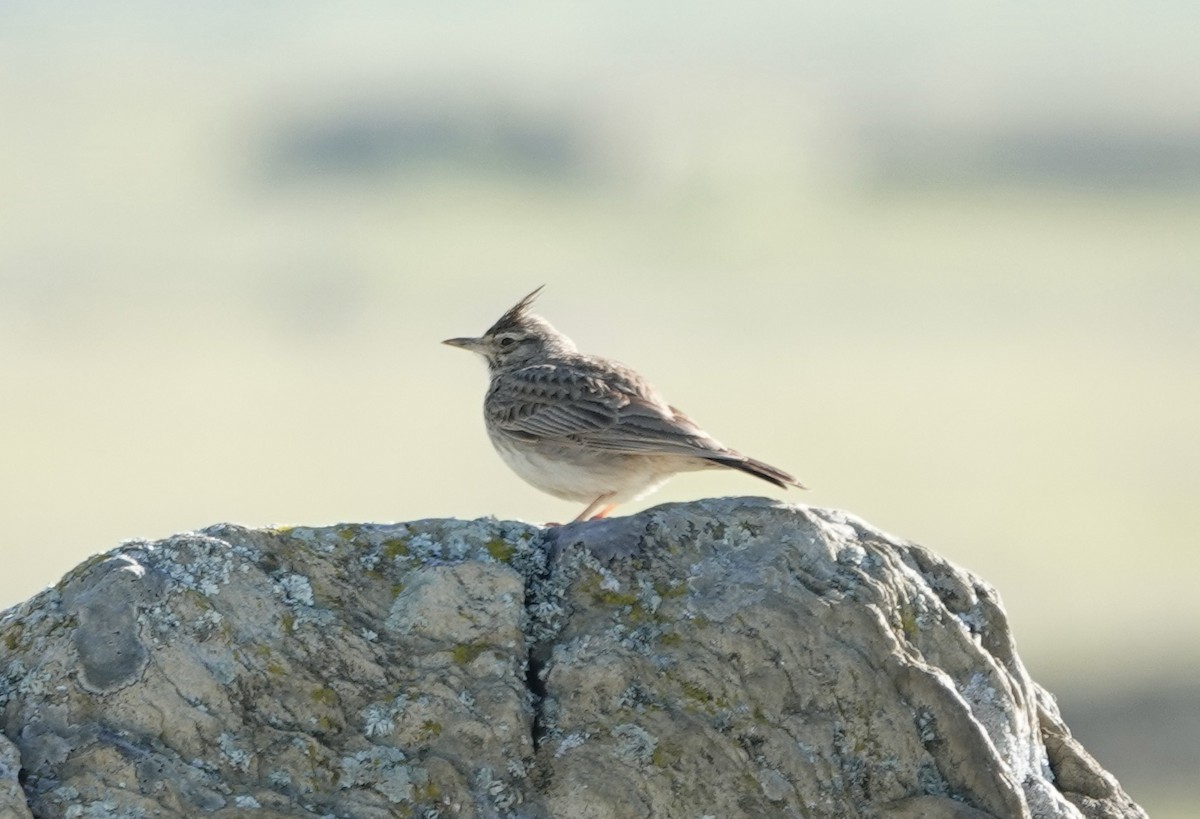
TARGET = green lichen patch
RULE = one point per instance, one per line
(594, 586)
(612, 598)
(395, 547)
(12, 637)
(669, 591)
(500, 550)
(908, 622)
(429, 792)
(695, 697)
(695, 692)
(324, 696)
(465, 653)
(666, 754)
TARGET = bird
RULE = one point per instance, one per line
(585, 428)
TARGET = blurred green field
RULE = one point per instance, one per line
(952, 283)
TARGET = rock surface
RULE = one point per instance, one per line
(725, 658)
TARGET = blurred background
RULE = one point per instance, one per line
(942, 261)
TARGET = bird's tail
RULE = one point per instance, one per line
(736, 460)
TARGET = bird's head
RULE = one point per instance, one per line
(517, 338)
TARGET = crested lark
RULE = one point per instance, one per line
(585, 428)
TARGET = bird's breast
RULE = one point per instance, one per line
(574, 473)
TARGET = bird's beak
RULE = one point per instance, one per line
(472, 344)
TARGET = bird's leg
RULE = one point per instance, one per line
(605, 512)
(598, 503)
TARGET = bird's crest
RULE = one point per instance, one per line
(515, 313)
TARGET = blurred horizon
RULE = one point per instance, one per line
(940, 262)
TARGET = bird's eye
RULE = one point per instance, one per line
(507, 341)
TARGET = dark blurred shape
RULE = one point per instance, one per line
(1076, 156)
(1146, 735)
(397, 136)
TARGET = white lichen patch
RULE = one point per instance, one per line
(635, 745)
(973, 620)
(235, 756)
(379, 718)
(196, 561)
(296, 590)
(383, 769)
(1013, 737)
(608, 580)
(103, 809)
(501, 793)
(568, 743)
(648, 596)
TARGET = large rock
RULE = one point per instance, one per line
(726, 658)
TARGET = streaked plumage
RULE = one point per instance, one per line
(582, 427)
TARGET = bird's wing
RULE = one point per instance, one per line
(616, 412)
